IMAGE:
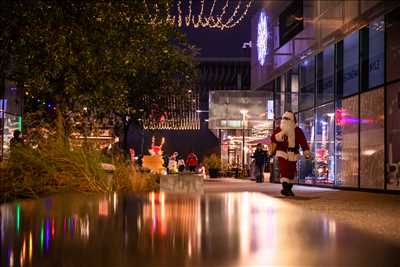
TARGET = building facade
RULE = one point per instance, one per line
(336, 64)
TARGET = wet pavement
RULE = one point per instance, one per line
(158, 229)
(374, 213)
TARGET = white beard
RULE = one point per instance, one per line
(288, 129)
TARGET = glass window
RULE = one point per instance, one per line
(376, 47)
(307, 83)
(393, 45)
(393, 136)
(372, 139)
(325, 75)
(277, 102)
(292, 90)
(350, 64)
(294, 81)
(325, 144)
(283, 94)
(347, 123)
(306, 167)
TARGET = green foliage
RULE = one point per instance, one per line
(145, 182)
(49, 165)
(128, 179)
(213, 162)
(104, 55)
(52, 168)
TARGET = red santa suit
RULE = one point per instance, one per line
(289, 139)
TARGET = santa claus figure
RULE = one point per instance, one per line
(288, 139)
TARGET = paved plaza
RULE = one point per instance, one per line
(375, 213)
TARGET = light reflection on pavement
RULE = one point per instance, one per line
(227, 229)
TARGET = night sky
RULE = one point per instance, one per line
(227, 43)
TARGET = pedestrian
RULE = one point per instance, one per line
(16, 140)
(173, 163)
(192, 161)
(289, 138)
(260, 157)
(181, 164)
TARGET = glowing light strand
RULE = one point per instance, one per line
(233, 15)
(218, 23)
(210, 20)
(179, 14)
(199, 17)
(241, 17)
(210, 16)
(189, 17)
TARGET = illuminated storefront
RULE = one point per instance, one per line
(241, 119)
(339, 72)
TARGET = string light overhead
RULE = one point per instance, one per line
(208, 15)
(181, 114)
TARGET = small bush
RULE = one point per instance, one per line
(212, 162)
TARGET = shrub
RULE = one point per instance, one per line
(213, 166)
(213, 162)
(53, 167)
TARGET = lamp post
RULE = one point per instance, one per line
(244, 113)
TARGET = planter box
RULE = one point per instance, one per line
(182, 183)
(213, 173)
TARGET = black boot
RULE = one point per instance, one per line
(285, 189)
(290, 186)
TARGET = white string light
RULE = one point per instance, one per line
(218, 22)
(233, 15)
(189, 17)
(210, 16)
(202, 19)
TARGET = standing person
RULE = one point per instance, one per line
(288, 139)
(16, 140)
(173, 163)
(181, 164)
(260, 157)
(191, 161)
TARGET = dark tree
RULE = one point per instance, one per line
(95, 59)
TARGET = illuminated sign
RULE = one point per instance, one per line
(262, 38)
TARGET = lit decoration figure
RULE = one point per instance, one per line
(155, 161)
(262, 38)
(156, 150)
(209, 15)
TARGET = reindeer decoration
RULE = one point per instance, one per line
(156, 150)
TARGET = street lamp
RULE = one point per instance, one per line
(244, 113)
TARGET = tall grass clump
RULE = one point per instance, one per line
(48, 165)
